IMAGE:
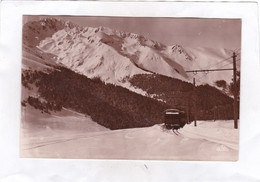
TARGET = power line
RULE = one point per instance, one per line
(236, 50)
(208, 70)
(220, 62)
(226, 65)
(234, 69)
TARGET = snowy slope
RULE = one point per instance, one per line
(42, 129)
(35, 59)
(109, 54)
(201, 58)
(115, 55)
(208, 58)
(35, 31)
(208, 141)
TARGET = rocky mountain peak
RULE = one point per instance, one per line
(114, 55)
(35, 31)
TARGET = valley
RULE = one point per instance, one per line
(100, 93)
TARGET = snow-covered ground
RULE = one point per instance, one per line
(73, 135)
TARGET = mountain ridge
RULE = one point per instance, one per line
(85, 69)
(91, 46)
(115, 55)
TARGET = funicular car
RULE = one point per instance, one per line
(174, 119)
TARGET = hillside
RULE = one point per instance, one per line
(114, 55)
(35, 31)
(216, 141)
(111, 55)
(109, 105)
(210, 102)
(120, 79)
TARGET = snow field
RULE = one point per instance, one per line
(77, 136)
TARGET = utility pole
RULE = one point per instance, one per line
(235, 90)
(195, 100)
(235, 104)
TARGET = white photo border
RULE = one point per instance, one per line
(13, 168)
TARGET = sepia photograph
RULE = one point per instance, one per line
(131, 88)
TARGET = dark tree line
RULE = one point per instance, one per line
(210, 102)
(116, 107)
(111, 106)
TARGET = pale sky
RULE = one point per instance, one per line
(192, 32)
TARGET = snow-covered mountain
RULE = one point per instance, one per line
(115, 56)
(112, 55)
(63, 109)
(210, 59)
(35, 31)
